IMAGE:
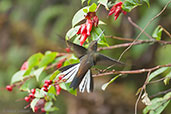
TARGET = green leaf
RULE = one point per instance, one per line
(33, 103)
(157, 33)
(39, 93)
(92, 8)
(79, 16)
(96, 31)
(53, 76)
(48, 58)
(128, 5)
(104, 86)
(167, 78)
(48, 107)
(156, 73)
(104, 2)
(38, 72)
(25, 86)
(18, 76)
(52, 90)
(147, 2)
(72, 32)
(158, 105)
(66, 87)
(34, 60)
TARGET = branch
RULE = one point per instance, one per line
(139, 71)
(134, 43)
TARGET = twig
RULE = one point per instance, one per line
(166, 31)
(119, 38)
(138, 27)
(160, 93)
(157, 80)
(143, 89)
(144, 29)
(134, 43)
(132, 71)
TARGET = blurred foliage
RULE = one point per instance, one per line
(30, 26)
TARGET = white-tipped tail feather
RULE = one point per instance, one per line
(70, 73)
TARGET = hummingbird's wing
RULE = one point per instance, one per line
(78, 50)
(102, 60)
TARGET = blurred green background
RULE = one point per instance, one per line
(30, 26)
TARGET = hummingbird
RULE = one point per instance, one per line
(80, 74)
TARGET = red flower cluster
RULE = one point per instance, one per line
(24, 66)
(116, 10)
(85, 29)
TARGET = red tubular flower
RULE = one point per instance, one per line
(89, 26)
(24, 66)
(83, 29)
(116, 10)
(83, 39)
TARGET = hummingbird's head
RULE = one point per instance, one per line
(93, 46)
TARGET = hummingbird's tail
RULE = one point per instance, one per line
(70, 72)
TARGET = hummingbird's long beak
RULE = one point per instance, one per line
(100, 35)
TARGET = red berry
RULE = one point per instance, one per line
(48, 81)
(31, 96)
(60, 77)
(67, 50)
(9, 88)
(59, 65)
(24, 66)
(124, 12)
(33, 91)
(27, 99)
(45, 89)
(36, 109)
(58, 89)
(43, 110)
(46, 85)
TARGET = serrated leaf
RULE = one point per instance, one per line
(156, 73)
(79, 16)
(66, 87)
(104, 86)
(72, 32)
(104, 2)
(48, 107)
(33, 103)
(47, 59)
(96, 31)
(38, 72)
(92, 8)
(167, 78)
(18, 76)
(34, 60)
(157, 33)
